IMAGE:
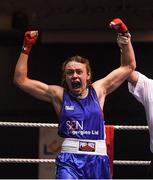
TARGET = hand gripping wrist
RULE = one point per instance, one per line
(123, 39)
(118, 25)
(30, 39)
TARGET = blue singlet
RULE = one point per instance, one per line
(82, 118)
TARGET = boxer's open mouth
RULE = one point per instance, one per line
(76, 84)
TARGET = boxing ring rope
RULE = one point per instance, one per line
(23, 124)
(51, 125)
(22, 160)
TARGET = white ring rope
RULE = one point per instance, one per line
(20, 160)
(51, 125)
(131, 127)
(123, 162)
(24, 124)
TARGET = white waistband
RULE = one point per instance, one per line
(84, 146)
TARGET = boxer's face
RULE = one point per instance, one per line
(76, 77)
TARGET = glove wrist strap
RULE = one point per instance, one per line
(26, 49)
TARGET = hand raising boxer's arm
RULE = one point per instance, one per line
(128, 63)
(40, 90)
(114, 79)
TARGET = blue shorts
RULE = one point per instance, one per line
(82, 166)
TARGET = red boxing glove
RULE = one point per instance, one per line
(30, 38)
(118, 25)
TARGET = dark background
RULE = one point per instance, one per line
(45, 64)
(68, 29)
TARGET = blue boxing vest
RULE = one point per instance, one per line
(81, 118)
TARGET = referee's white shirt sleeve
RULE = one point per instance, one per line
(143, 92)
